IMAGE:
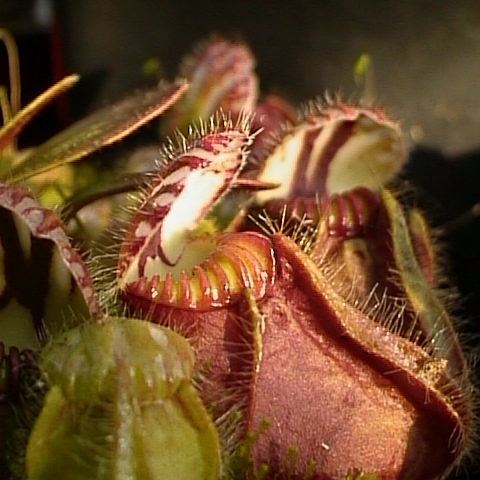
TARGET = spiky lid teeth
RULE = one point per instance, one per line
(336, 109)
(239, 261)
(172, 208)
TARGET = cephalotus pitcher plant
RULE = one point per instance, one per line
(259, 304)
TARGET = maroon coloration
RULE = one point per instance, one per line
(317, 143)
(372, 410)
(272, 114)
(43, 223)
(346, 215)
(316, 182)
(149, 212)
(326, 347)
(354, 239)
(350, 214)
(239, 261)
(221, 76)
(20, 375)
(333, 384)
(10, 372)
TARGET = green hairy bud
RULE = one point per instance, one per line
(121, 405)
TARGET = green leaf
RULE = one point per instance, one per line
(104, 127)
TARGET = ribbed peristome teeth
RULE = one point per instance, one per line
(239, 261)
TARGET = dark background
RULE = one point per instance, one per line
(426, 66)
(426, 54)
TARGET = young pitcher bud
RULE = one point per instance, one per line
(121, 405)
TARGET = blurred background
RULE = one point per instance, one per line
(425, 58)
(425, 53)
